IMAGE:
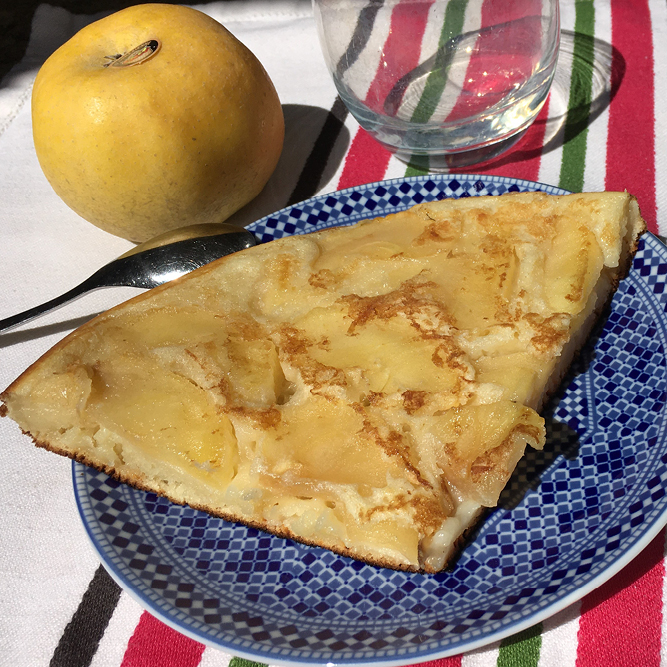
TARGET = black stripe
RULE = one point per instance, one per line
(312, 171)
(83, 633)
(360, 36)
(314, 167)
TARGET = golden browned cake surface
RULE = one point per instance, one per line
(367, 389)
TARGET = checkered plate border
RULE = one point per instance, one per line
(570, 518)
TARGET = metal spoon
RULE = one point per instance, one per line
(153, 263)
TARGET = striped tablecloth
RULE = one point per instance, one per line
(602, 128)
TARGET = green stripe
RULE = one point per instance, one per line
(242, 662)
(579, 105)
(521, 650)
(437, 78)
(418, 166)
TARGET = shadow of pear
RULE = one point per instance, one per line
(315, 144)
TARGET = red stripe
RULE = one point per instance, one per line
(621, 621)
(523, 160)
(155, 644)
(500, 57)
(628, 609)
(367, 160)
(631, 134)
(454, 661)
(401, 50)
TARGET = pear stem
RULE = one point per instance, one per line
(138, 55)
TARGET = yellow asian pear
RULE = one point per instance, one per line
(153, 118)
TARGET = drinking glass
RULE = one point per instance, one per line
(443, 82)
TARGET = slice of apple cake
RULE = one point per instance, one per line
(367, 389)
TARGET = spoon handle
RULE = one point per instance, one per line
(147, 269)
(36, 311)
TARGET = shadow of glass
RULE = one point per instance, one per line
(588, 76)
(315, 143)
(592, 65)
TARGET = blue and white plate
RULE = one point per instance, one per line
(571, 517)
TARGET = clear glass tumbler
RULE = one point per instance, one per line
(448, 82)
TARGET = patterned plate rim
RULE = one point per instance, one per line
(647, 534)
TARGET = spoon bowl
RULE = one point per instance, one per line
(157, 261)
